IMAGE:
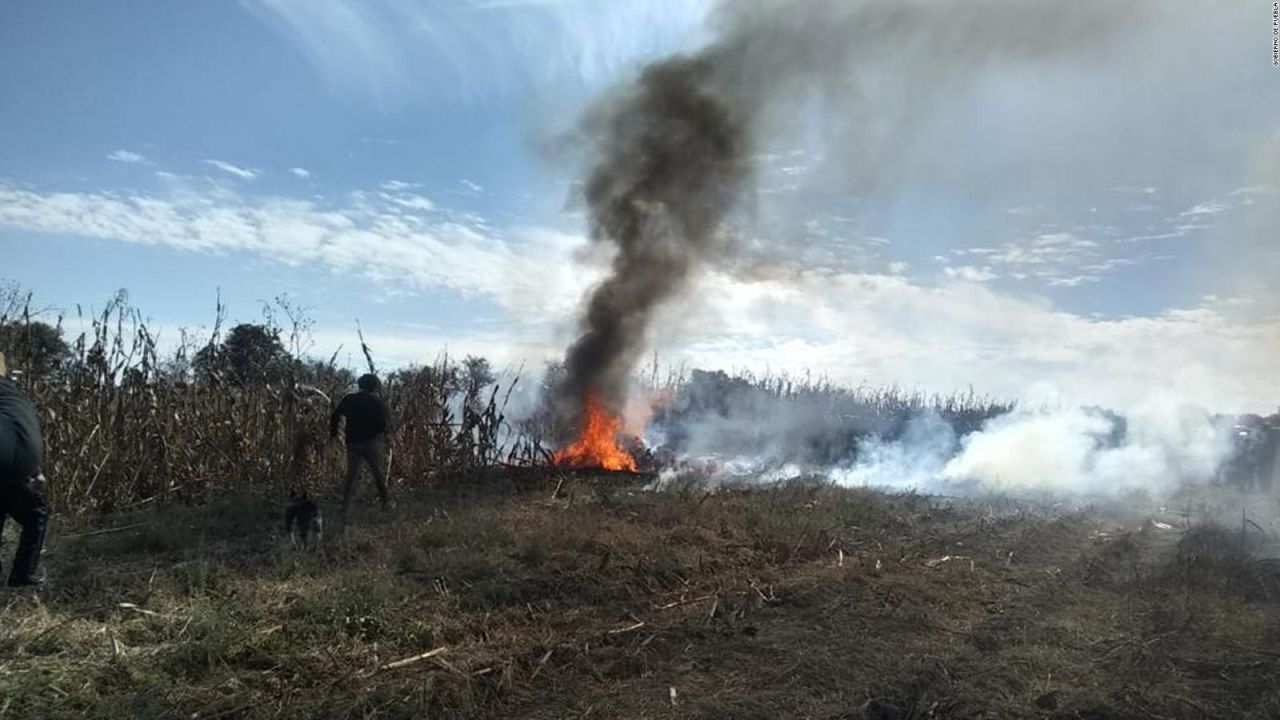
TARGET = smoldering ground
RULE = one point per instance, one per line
(733, 430)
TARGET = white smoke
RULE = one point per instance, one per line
(1155, 449)
(914, 462)
(1081, 452)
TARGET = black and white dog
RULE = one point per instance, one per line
(302, 520)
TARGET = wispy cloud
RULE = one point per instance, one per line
(971, 273)
(396, 51)
(1059, 259)
(958, 333)
(127, 156)
(1205, 208)
(300, 172)
(240, 172)
(1256, 190)
(409, 200)
(373, 236)
(951, 334)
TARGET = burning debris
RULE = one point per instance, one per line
(673, 156)
(597, 444)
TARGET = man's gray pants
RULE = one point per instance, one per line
(358, 454)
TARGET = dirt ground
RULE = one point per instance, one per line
(591, 597)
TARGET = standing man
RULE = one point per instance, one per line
(366, 425)
(21, 449)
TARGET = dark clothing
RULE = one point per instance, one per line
(21, 445)
(366, 416)
(365, 453)
(21, 448)
(26, 506)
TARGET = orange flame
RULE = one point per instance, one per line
(597, 444)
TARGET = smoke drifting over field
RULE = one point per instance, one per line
(673, 153)
(1155, 448)
(976, 449)
(672, 162)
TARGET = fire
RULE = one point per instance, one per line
(597, 444)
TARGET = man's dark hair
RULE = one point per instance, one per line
(369, 383)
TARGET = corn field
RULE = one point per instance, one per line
(128, 423)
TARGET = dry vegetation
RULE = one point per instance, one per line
(127, 424)
(590, 597)
(131, 421)
(502, 591)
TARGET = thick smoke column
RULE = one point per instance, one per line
(674, 160)
(673, 152)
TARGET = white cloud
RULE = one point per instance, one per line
(398, 346)
(375, 236)
(300, 172)
(396, 51)
(884, 329)
(1047, 249)
(409, 200)
(970, 273)
(1176, 231)
(1072, 280)
(1256, 190)
(853, 327)
(1059, 259)
(1205, 208)
(240, 172)
(472, 186)
(126, 156)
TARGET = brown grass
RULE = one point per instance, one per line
(599, 599)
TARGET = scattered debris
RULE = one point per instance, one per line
(414, 659)
(627, 629)
(935, 562)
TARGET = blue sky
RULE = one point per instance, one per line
(1066, 228)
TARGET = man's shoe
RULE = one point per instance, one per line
(26, 582)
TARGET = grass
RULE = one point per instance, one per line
(595, 598)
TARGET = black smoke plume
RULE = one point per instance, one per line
(673, 161)
(673, 152)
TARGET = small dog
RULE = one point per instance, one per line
(302, 520)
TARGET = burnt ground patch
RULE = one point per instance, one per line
(593, 597)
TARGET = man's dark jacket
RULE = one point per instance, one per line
(21, 445)
(366, 416)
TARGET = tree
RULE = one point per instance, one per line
(35, 347)
(251, 354)
(326, 376)
(477, 374)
